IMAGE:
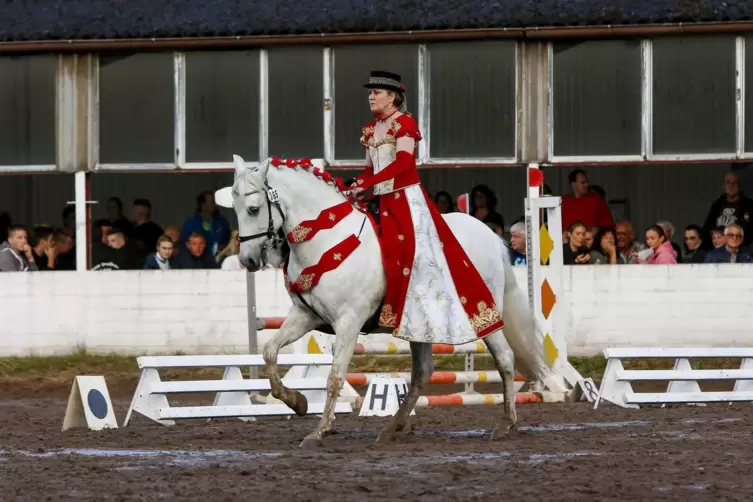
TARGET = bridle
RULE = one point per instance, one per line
(278, 236)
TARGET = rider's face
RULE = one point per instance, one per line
(380, 100)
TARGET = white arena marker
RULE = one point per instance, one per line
(89, 405)
(383, 397)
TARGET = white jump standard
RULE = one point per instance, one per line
(616, 384)
(232, 399)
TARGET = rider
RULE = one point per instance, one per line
(434, 293)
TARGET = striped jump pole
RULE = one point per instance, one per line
(475, 400)
(437, 378)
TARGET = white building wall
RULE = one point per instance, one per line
(135, 312)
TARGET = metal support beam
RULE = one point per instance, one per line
(534, 106)
(77, 124)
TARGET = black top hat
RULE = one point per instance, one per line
(385, 80)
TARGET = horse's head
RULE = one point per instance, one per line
(261, 211)
(258, 210)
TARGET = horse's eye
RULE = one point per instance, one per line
(253, 211)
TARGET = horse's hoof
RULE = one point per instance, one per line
(311, 444)
(503, 431)
(300, 404)
(385, 437)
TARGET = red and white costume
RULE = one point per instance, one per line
(434, 293)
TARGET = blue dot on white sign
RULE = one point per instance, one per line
(97, 404)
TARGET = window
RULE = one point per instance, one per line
(296, 103)
(27, 110)
(353, 64)
(472, 99)
(597, 98)
(136, 117)
(222, 106)
(694, 95)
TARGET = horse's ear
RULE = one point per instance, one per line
(240, 165)
(224, 197)
(263, 168)
(321, 164)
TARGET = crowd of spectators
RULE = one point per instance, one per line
(593, 237)
(120, 242)
(205, 239)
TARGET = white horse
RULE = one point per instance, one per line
(271, 201)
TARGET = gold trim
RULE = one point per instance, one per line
(387, 317)
(484, 318)
(300, 233)
(304, 281)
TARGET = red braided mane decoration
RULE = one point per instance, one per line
(305, 163)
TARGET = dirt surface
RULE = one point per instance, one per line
(560, 452)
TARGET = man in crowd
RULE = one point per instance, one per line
(16, 255)
(44, 248)
(731, 207)
(626, 243)
(730, 252)
(518, 243)
(162, 258)
(195, 255)
(584, 205)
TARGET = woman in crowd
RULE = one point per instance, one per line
(444, 202)
(604, 250)
(576, 252)
(694, 248)
(660, 248)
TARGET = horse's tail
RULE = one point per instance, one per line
(522, 332)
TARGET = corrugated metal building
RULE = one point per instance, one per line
(154, 104)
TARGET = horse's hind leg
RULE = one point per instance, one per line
(421, 369)
(504, 360)
(297, 324)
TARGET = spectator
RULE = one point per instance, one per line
(661, 251)
(575, 252)
(443, 201)
(114, 208)
(483, 205)
(66, 250)
(731, 207)
(5, 223)
(69, 220)
(627, 247)
(145, 232)
(208, 222)
(228, 257)
(730, 252)
(161, 259)
(583, 205)
(195, 254)
(694, 252)
(496, 228)
(590, 234)
(669, 232)
(43, 248)
(518, 243)
(717, 237)
(15, 253)
(604, 250)
(117, 255)
(174, 233)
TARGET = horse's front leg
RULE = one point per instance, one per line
(346, 335)
(297, 323)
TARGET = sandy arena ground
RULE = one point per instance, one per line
(561, 452)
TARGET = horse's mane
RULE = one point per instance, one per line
(306, 165)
